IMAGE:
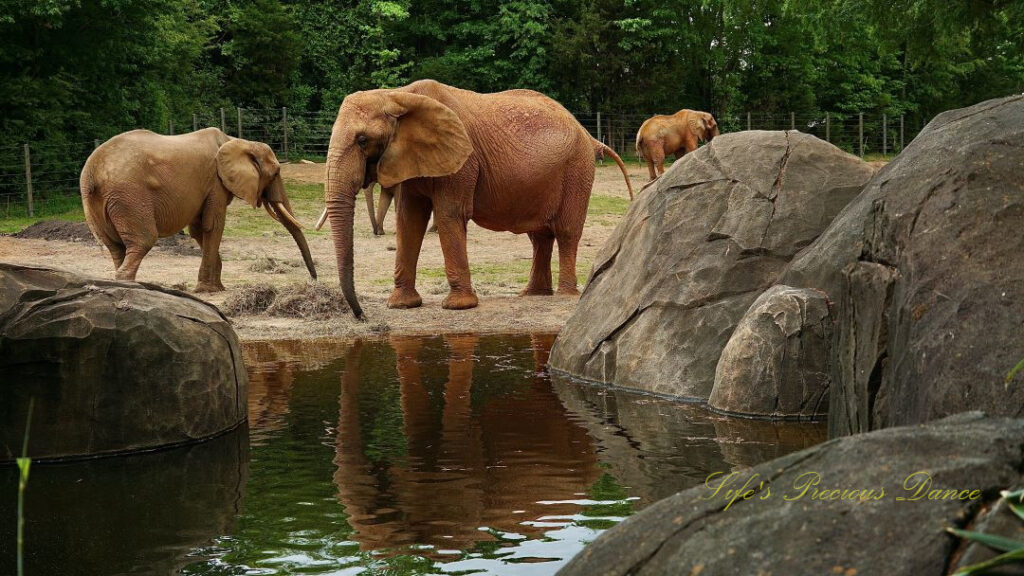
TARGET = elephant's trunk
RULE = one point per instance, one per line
(341, 211)
(286, 219)
(342, 184)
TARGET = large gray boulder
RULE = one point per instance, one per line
(926, 270)
(775, 364)
(694, 251)
(111, 366)
(697, 531)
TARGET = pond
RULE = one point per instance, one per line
(407, 455)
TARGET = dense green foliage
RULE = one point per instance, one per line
(73, 70)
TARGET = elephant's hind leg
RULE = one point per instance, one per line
(568, 241)
(540, 272)
(115, 248)
(137, 231)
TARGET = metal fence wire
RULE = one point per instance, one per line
(40, 179)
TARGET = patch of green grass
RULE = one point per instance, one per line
(606, 210)
(66, 208)
(603, 205)
(307, 202)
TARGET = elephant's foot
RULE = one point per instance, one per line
(209, 287)
(531, 291)
(568, 291)
(459, 301)
(405, 298)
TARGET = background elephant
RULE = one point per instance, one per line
(140, 186)
(678, 134)
(510, 161)
(387, 194)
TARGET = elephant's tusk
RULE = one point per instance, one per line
(266, 206)
(323, 218)
(286, 214)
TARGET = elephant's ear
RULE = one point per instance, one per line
(429, 140)
(238, 171)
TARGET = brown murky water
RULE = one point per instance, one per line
(454, 454)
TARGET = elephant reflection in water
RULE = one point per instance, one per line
(467, 463)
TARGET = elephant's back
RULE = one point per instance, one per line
(142, 156)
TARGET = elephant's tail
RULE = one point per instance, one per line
(90, 202)
(625, 174)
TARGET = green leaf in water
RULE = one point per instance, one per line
(994, 542)
(24, 464)
(1015, 500)
(1013, 372)
(1013, 557)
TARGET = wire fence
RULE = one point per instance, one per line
(41, 179)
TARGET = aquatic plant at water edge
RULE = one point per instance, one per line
(1012, 550)
(24, 463)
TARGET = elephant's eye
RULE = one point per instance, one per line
(361, 140)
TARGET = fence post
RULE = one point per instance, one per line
(28, 182)
(284, 122)
(885, 134)
(860, 132)
(748, 121)
(901, 132)
(599, 127)
(828, 135)
(223, 122)
(239, 109)
(195, 122)
(170, 127)
(96, 143)
(792, 121)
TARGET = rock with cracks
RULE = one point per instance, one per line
(694, 251)
(834, 530)
(926, 271)
(112, 366)
(776, 362)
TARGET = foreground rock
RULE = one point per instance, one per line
(775, 364)
(696, 532)
(694, 251)
(112, 366)
(926, 268)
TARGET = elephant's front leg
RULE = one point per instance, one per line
(451, 228)
(412, 213)
(210, 268)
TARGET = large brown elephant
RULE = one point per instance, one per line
(140, 186)
(512, 161)
(678, 134)
(388, 194)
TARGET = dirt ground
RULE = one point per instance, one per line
(257, 250)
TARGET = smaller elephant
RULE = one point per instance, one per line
(139, 186)
(678, 134)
